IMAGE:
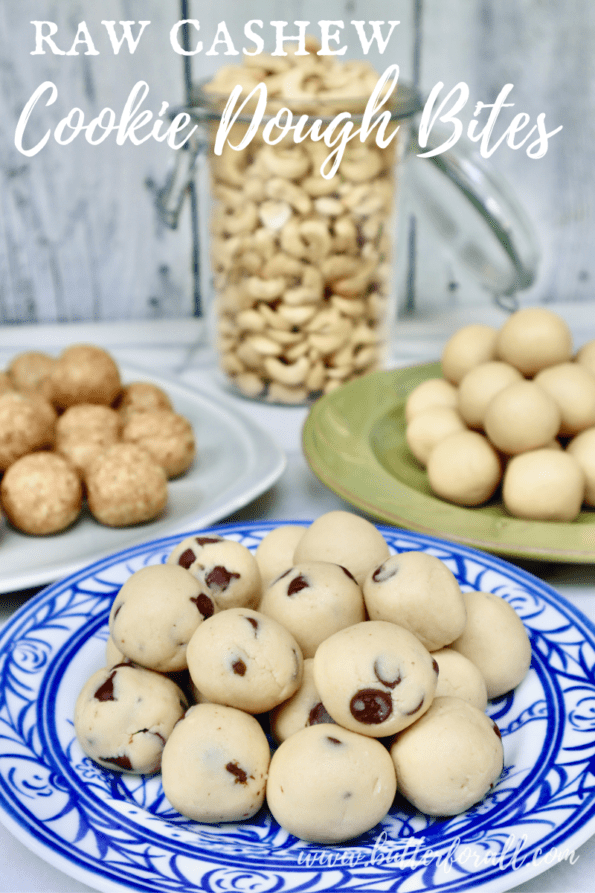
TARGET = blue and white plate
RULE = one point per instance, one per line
(118, 832)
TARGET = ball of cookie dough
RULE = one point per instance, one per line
(6, 383)
(582, 448)
(533, 338)
(140, 396)
(313, 600)
(124, 715)
(450, 759)
(165, 435)
(84, 373)
(125, 486)
(458, 677)
(227, 569)
(429, 427)
(375, 677)
(428, 394)
(244, 659)
(544, 485)
(468, 347)
(495, 640)
(464, 468)
(215, 764)
(343, 538)
(327, 784)
(586, 355)
(304, 708)
(41, 493)
(23, 428)
(274, 553)
(30, 372)
(522, 417)
(418, 591)
(572, 387)
(480, 385)
(155, 613)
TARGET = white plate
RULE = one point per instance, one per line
(117, 833)
(237, 461)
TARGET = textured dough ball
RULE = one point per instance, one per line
(225, 567)
(428, 394)
(429, 427)
(6, 383)
(544, 485)
(304, 708)
(215, 764)
(84, 373)
(582, 447)
(458, 677)
(417, 590)
(464, 468)
(41, 494)
(165, 435)
(468, 347)
(30, 372)
(327, 784)
(313, 600)
(345, 539)
(586, 356)
(480, 385)
(533, 338)
(450, 759)
(23, 428)
(124, 715)
(495, 640)
(572, 387)
(125, 486)
(140, 396)
(85, 430)
(522, 417)
(245, 659)
(274, 553)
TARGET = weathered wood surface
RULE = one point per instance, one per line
(80, 238)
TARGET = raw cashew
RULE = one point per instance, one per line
(289, 192)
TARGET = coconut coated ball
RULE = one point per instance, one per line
(30, 371)
(125, 486)
(468, 347)
(533, 338)
(23, 428)
(166, 435)
(572, 387)
(544, 485)
(522, 417)
(41, 493)
(464, 468)
(84, 373)
(140, 396)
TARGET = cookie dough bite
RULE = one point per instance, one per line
(468, 347)
(225, 567)
(464, 468)
(274, 553)
(85, 430)
(459, 677)
(140, 396)
(244, 659)
(495, 640)
(572, 387)
(304, 708)
(215, 765)
(165, 435)
(522, 417)
(429, 427)
(313, 600)
(533, 338)
(480, 385)
(125, 486)
(30, 372)
(450, 759)
(155, 614)
(430, 393)
(23, 428)
(544, 485)
(6, 383)
(327, 784)
(586, 356)
(124, 715)
(343, 538)
(84, 373)
(113, 655)
(375, 677)
(418, 591)
(582, 447)
(41, 494)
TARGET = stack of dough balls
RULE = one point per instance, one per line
(515, 412)
(317, 674)
(71, 432)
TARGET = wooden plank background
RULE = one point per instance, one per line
(80, 238)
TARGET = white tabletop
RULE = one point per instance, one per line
(177, 348)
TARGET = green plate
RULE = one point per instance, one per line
(354, 441)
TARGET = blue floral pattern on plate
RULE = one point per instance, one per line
(118, 832)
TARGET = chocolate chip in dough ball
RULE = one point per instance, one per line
(84, 373)
(304, 708)
(468, 347)
(125, 486)
(30, 372)
(496, 641)
(428, 394)
(450, 759)
(345, 539)
(480, 385)
(582, 447)
(166, 435)
(418, 591)
(586, 356)
(533, 338)
(41, 494)
(274, 553)
(375, 677)
(245, 659)
(544, 485)
(23, 428)
(572, 387)
(124, 715)
(140, 396)
(459, 677)
(215, 765)
(522, 417)
(464, 468)
(227, 569)
(313, 600)
(155, 614)
(428, 428)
